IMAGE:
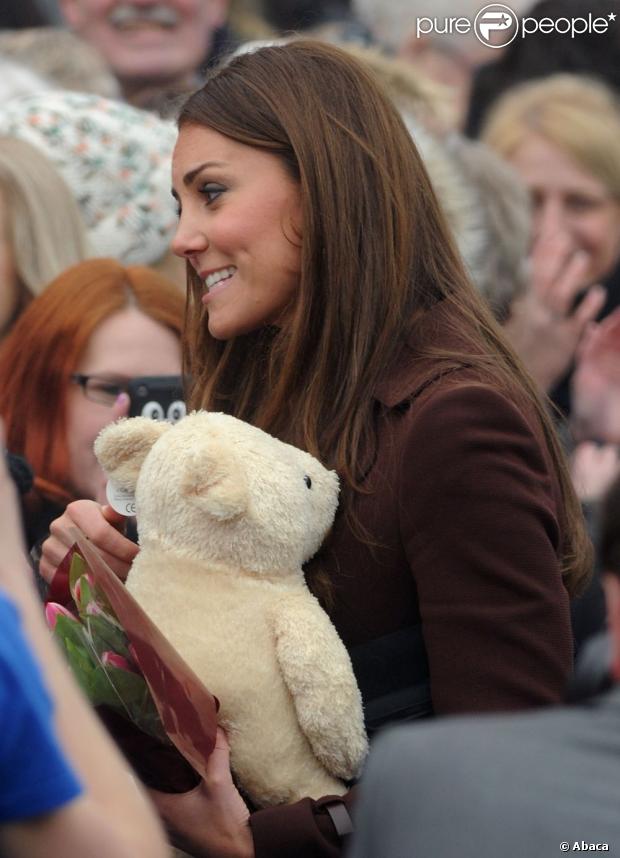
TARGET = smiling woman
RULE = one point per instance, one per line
(148, 44)
(328, 305)
(240, 220)
(562, 135)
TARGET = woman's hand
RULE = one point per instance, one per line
(211, 821)
(594, 467)
(101, 524)
(544, 328)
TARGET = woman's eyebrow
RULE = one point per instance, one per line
(189, 177)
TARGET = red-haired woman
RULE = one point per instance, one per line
(64, 368)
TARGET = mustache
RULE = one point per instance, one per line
(157, 13)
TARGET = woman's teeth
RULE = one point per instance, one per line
(126, 16)
(217, 276)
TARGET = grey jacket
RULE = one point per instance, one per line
(518, 786)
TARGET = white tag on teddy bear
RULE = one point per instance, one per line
(121, 500)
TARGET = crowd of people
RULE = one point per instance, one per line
(397, 250)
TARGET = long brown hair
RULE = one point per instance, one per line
(375, 254)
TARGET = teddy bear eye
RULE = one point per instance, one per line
(308, 481)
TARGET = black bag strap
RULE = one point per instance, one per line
(393, 677)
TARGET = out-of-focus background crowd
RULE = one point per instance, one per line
(521, 141)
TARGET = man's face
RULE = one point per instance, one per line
(148, 41)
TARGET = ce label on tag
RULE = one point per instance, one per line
(121, 500)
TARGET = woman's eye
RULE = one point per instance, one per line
(536, 199)
(578, 203)
(107, 388)
(211, 191)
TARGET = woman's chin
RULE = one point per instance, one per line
(222, 329)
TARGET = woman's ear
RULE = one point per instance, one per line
(293, 217)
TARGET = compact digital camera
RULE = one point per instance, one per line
(159, 397)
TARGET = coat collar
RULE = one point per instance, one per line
(412, 369)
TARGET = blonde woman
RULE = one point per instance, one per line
(562, 135)
(41, 229)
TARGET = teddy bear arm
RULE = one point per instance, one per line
(317, 671)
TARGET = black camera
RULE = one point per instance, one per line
(159, 397)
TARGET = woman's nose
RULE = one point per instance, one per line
(189, 240)
(550, 217)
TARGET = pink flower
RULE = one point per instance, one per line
(113, 659)
(53, 611)
(77, 590)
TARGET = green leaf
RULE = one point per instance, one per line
(105, 634)
(132, 689)
(102, 691)
(86, 595)
(76, 570)
(71, 630)
(82, 666)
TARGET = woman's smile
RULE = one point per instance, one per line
(216, 281)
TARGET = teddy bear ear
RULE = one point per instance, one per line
(214, 481)
(122, 447)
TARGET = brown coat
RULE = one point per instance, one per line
(463, 504)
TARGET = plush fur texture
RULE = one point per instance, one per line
(226, 516)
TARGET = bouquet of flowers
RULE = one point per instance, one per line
(160, 714)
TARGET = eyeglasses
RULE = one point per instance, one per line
(99, 389)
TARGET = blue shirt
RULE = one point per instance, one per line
(35, 776)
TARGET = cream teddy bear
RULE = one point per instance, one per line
(226, 517)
